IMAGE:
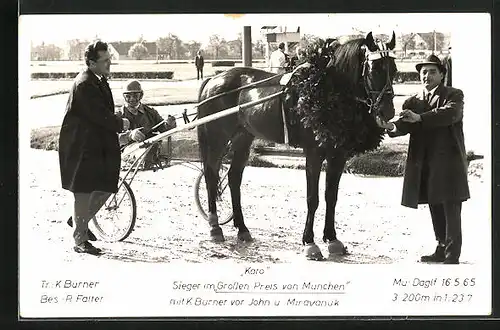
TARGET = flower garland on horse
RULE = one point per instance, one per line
(330, 108)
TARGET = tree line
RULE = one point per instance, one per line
(168, 47)
(173, 48)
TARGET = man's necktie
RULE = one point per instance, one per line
(104, 83)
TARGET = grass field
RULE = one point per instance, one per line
(165, 96)
(387, 160)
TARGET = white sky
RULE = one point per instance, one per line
(59, 28)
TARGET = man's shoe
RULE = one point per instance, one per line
(437, 256)
(86, 247)
(90, 234)
(451, 261)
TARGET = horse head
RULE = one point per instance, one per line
(378, 71)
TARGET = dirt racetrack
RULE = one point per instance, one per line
(369, 219)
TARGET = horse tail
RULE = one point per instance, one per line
(202, 130)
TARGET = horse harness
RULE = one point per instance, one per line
(387, 89)
(289, 120)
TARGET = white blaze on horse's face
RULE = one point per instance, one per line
(381, 68)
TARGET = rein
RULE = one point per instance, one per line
(256, 83)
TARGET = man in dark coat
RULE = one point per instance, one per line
(436, 167)
(89, 153)
(199, 62)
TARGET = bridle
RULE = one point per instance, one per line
(387, 89)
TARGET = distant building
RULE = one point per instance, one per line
(74, 50)
(118, 50)
(122, 49)
(422, 43)
(427, 41)
(113, 52)
(359, 35)
(274, 34)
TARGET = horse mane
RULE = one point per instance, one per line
(347, 62)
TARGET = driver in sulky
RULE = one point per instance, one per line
(145, 121)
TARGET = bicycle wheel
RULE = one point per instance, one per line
(224, 205)
(116, 219)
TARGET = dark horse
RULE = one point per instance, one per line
(365, 71)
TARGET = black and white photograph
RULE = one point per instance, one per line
(234, 165)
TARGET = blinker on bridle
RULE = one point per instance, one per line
(387, 89)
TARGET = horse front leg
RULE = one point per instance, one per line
(335, 167)
(313, 169)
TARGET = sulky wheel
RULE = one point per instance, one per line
(224, 206)
(116, 219)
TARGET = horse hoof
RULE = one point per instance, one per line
(245, 237)
(336, 247)
(218, 238)
(313, 252)
(217, 235)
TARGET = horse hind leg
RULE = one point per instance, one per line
(241, 151)
(211, 156)
(211, 180)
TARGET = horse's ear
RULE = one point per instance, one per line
(330, 42)
(370, 43)
(333, 42)
(392, 43)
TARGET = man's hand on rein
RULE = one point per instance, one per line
(136, 135)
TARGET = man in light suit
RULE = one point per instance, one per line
(278, 60)
(89, 153)
(436, 167)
